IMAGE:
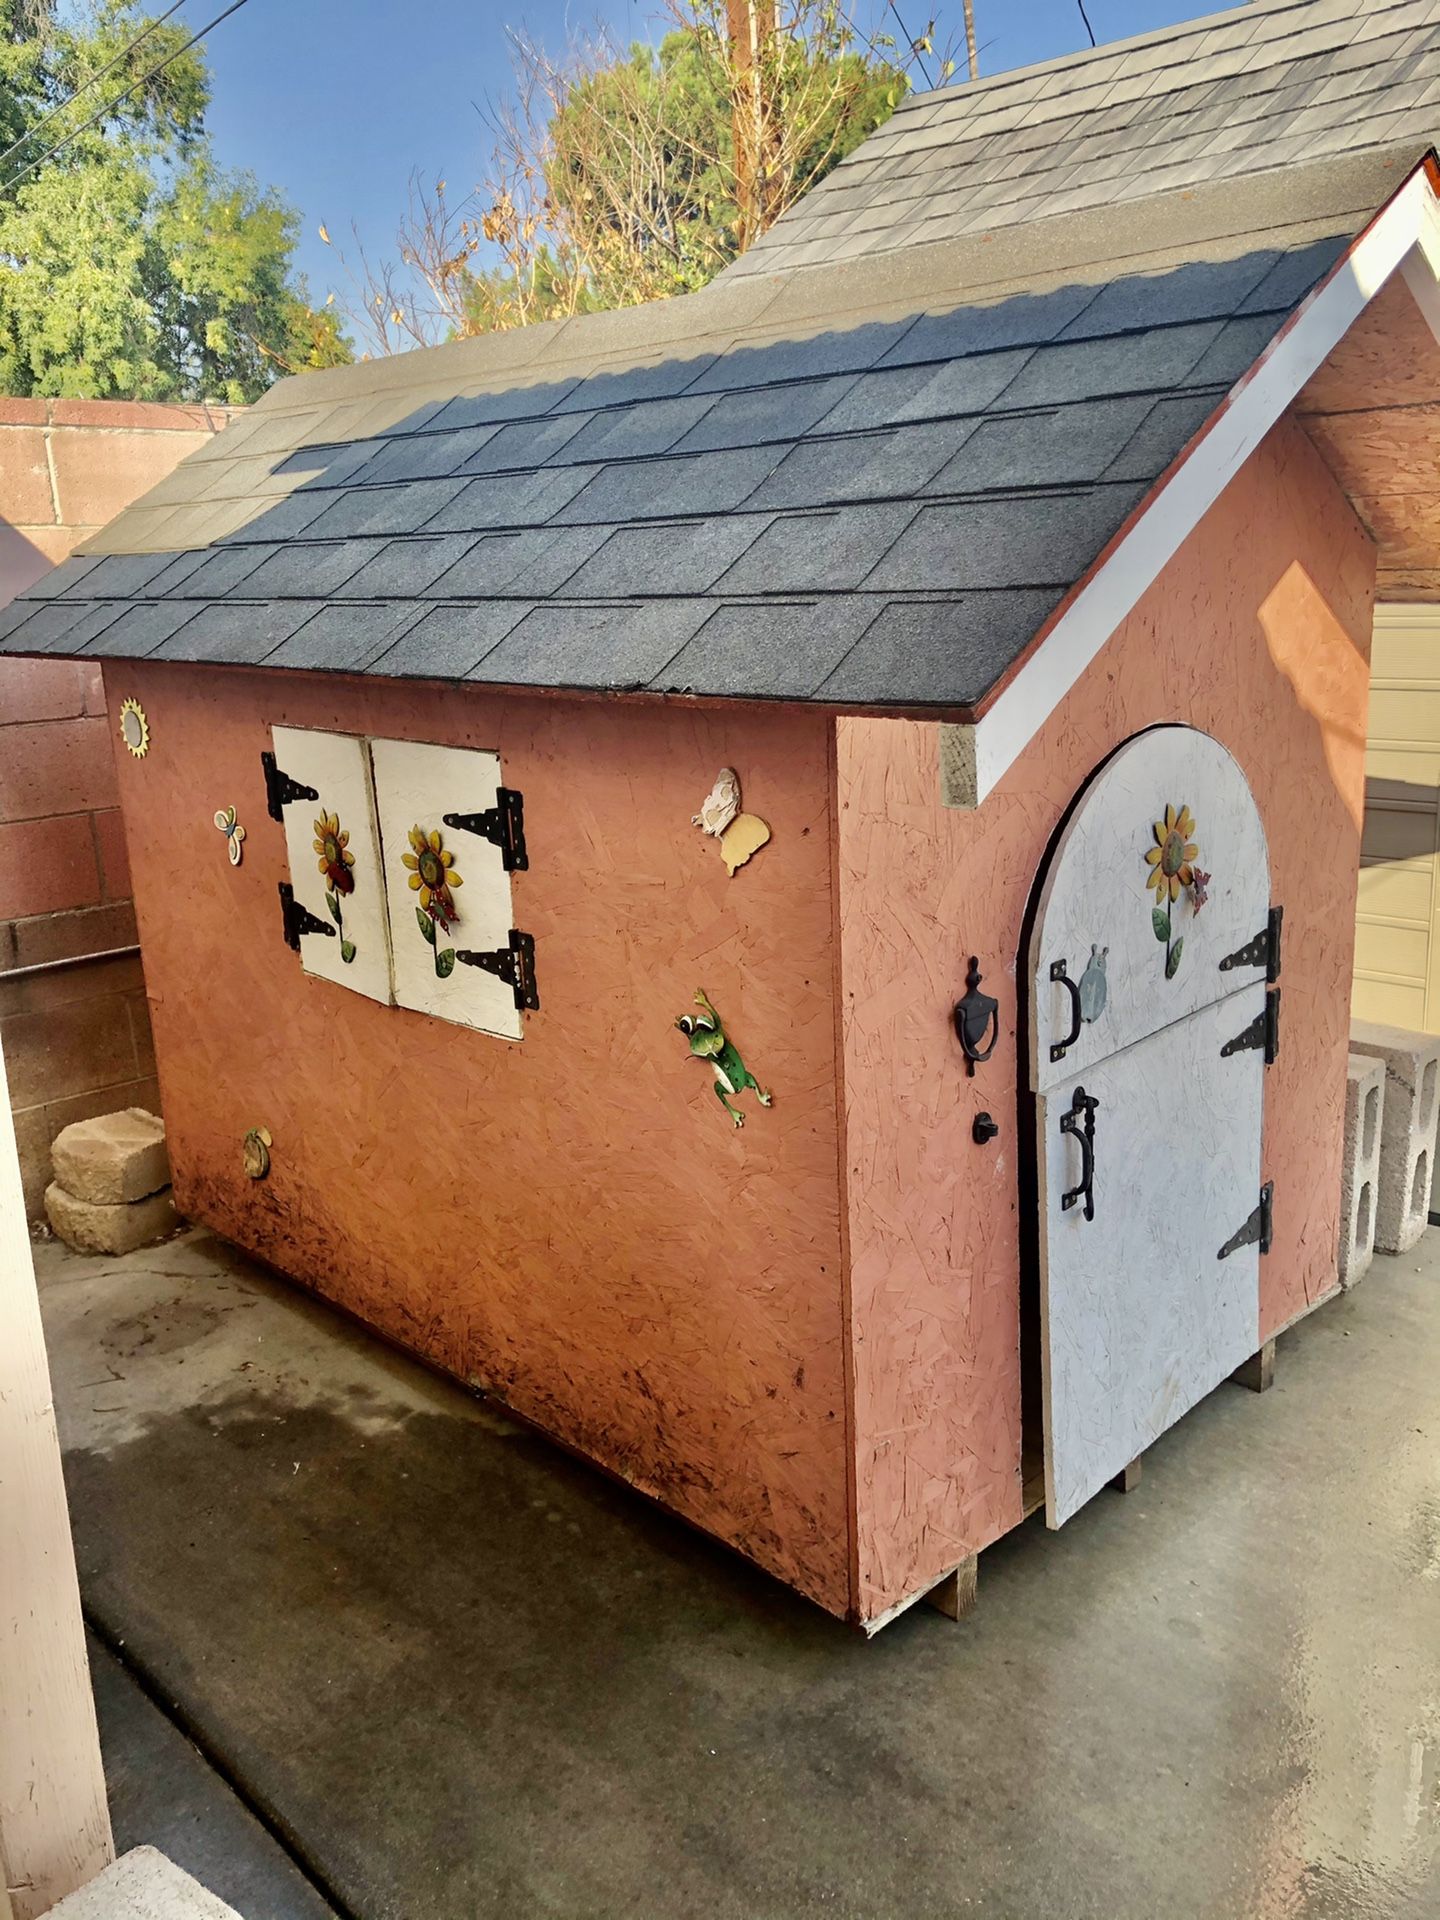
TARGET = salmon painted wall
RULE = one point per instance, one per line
(1258, 632)
(569, 1221)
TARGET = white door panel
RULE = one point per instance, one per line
(1141, 1317)
(355, 952)
(1097, 900)
(416, 785)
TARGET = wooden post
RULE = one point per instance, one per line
(956, 1594)
(54, 1820)
(1128, 1478)
(751, 26)
(1258, 1372)
(972, 57)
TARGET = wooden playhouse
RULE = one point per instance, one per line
(899, 689)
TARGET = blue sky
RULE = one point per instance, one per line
(336, 101)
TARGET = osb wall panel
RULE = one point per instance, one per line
(570, 1220)
(1257, 632)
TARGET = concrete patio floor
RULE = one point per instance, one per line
(460, 1674)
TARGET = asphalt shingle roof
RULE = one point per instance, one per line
(866, 483)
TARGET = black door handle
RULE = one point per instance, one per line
(1080, 1122)
(1062, 1047)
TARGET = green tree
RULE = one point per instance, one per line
(130, 265)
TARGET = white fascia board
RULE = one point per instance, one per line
(1405, 234)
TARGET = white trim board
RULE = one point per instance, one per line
(1404, 235)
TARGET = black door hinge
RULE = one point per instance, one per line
(1258, 1227)
(1262, 951)
(1262, 1032)
(503, 825)
(515, 965)
(280, 789)
(298, 917)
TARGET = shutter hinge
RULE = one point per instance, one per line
(280, 789)
(298, 917)
(1262, 1033)
(1262, 951)
(515, 965)
(1258, 1227)
(503, 825)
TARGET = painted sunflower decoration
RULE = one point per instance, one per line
(1171, 862)
(434, 876)
(336, 862)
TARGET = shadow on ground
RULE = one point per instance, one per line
(464, 1675)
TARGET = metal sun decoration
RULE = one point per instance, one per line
(1171, 861)
(134, 728)
(234, 834)
(708, 1042)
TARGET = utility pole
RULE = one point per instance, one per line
(755, 128)
(973, 56)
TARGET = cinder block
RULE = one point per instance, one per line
(1407, 1128)
(143, 1885)
(113, 1158)
(118, 1229)
(1360, 1173)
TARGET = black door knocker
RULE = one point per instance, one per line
(1079, 1122)
(976, 1014)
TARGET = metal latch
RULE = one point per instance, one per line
(1262, 951)
(1258, 1227)
(298, 917)
(280, 789)
(503, 825)
(1262, 1032)
(515, 965)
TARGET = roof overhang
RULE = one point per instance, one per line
(1403, 238)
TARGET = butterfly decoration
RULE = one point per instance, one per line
(234, 834)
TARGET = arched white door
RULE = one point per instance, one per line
(1147, 971)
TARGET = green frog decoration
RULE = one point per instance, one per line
(708, 1042)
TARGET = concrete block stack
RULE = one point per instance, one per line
(111, 1191)
(1407, 1128)
(1360, 1170)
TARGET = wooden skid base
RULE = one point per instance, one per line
(954, 1596)
(1258, 1372)
(1128, 1478)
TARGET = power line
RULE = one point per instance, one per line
(914, 45)
(1086, 18)
(108, 67)
(85, 125)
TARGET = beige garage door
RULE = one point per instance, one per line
(1397, 936)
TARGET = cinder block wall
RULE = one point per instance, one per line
(73, 1017)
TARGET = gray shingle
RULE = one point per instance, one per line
(1051, 449)
(401, 569)
(666, 557)
(555, 559)
(1029, 320)
(757, 414)
(638, 432)
(1032, 540)
(843, 351)
(179, 569)
(344, 638)
(1207, 290)
(578, 646)
(141, 628)
(287, 517)
(424, 456)
(867, 466)
(508, 501)
(938, 653)
(1164, 431)
(817, 552)
(449, 642)
(526, 444)
(489, 409)
(115, 576)
(702, 483)
(42, 626)
(491, 561)
(236, 631)
(780, 650)
(220, 573)
(1151, 362)
(69, 573)
(1236, 350)
(925, 391)
(398, 509)
(625, 387)
(302, 568)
